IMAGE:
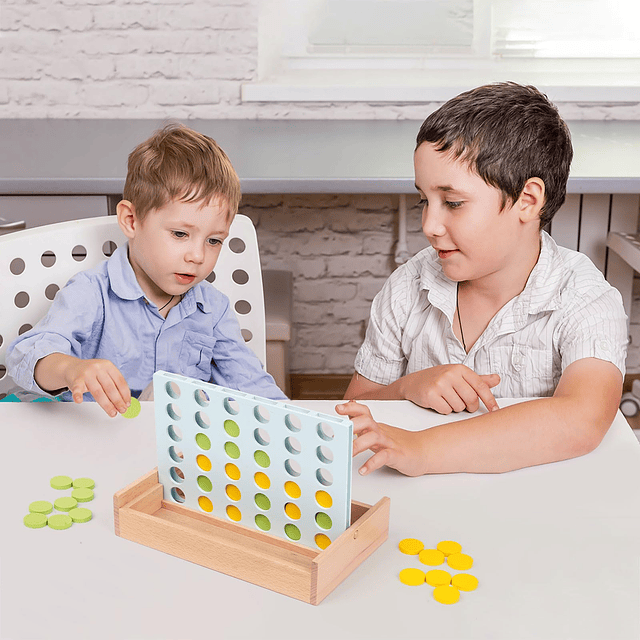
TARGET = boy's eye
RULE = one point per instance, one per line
(179, 234)
(214, 241)
(422, 202)
(453, 205)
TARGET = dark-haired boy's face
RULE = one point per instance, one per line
(463, 220)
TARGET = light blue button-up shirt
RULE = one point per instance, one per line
(103, 313)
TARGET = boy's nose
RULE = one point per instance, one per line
(432, 225)
(195, 254)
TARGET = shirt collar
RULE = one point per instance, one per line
(124, 283)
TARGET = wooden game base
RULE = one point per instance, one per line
(141, 515)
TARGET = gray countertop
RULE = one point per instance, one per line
(80, 156)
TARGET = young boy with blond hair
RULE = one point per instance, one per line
(493, 308)
(148, 308)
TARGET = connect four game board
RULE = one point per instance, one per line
(260, 463)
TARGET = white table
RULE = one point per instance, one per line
(556, 547)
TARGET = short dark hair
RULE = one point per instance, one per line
(178, 163)
(506, 133)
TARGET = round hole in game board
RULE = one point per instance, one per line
(246, 334)
(240, 276)
(175, 454)
(203, 420)
(233, 513)
(324, 499)
(233, 493)
(237, 245)
(211, 278)
(203, 441)
(176, 474)
(79, 253)
(292, 489)
(262, 480)
(262, 458)
(231, 406)
(292, 468)
(174, 433)
(48, 259)
(50, 291)
(205, 504)
(262, 522)
(203, 462)
(262, 414)
(322, 540)
(232, 450)
(262, 502)
(262, 436)
(293, 422)
(24, 328)
(242, 307)
(3, 372)
(17, 266)
(178, 494)
(232, 471)
(292, 510)
(205, 484)
(232, 428)
(292, 531)
(324, 454)
(293, 445)
(174, 411)
(323, 521)
(202, 397)
(21, 300)
(325, 431)
(324, 477)
(108, 248)
(173, 389)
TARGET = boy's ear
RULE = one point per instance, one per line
(531, 200)
(127, 218)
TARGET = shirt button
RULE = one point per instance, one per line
(604, 345)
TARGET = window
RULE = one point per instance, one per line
(420, 50)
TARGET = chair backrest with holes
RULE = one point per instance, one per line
(35, 263)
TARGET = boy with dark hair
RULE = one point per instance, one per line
(493, 304)
(147, 308)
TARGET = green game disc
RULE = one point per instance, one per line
(65, 504)
(263, 522)
(262, 458)
(83, 483)
(134, 409)
(41, 506)
(60, 521)
(82, 495)
(80, 514)
(35, 520)
(61, 482)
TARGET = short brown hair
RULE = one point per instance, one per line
(178, 163)
(506, 133)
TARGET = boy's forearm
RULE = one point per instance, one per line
(520, 435)
(49, 372)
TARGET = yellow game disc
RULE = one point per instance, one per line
(464, 582)
(460, 561)
(431, 557)
(438, 578)
(411, 546)
(412, 577)
(446, 594)
(448, 547)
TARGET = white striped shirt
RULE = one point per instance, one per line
(567, 311)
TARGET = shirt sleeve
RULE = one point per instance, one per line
(68, 324)
(235, 365)
(595, 326)
(381, 357)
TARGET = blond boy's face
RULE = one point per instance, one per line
(463, 220)
(176, 246)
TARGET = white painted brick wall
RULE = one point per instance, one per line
(180, 59)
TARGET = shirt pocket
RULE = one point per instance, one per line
(524, 371)
(196, 355)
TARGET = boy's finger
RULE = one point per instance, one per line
(77, 391)
(96, 390)
(112, 392)
(366, 441)
(123, 388)
(353, 409)
(492, 379)
(487, 397)
(376, 461)
(362, 424)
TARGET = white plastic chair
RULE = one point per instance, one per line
(35, 263)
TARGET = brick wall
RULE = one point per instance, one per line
(179, 59)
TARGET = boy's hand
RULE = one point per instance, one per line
(393, 447)
(102, 379)
(450, 387)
